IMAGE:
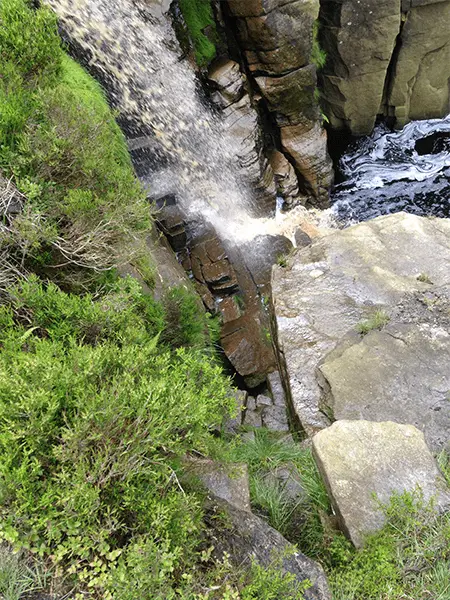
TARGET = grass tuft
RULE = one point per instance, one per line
(377, 321)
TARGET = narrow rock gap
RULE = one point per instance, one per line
(386, 110)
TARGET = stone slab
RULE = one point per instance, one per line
(362, 459)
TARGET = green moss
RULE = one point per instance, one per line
(198, 16)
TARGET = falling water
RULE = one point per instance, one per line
(393, 171)
(193, 158)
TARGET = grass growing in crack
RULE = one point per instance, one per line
(318, 54)
(424, 278)
(443, 460)
(299, 519)
(377, 321)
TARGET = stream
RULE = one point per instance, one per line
(388, 172)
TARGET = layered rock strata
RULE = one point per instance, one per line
(276, 37)
(230, 94)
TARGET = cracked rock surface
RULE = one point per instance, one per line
(401, 373)
(329, 287)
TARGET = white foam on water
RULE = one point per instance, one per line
(385, 157)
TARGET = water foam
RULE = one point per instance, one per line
(136, 56)
(385, 173)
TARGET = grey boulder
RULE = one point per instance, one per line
(363, 463)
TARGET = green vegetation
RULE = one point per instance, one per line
(198, 17)
(18, 575)
(408, 558)
(103, 390)
(424, 278)
(378, 320)
(318, 55)
(60, 144)
(300, 520)
(95, 412)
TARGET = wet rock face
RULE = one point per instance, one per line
(230, 281)
(384, 57)
(277, 41)
(358, 459)
(231, 96)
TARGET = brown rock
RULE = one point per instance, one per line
(359, 37)
(215, 250)
(308, 150)
(285, 176)
(225, 75)
(420, 87)
(217, 272)
(229, 309)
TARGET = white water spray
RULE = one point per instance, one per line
(136, 55)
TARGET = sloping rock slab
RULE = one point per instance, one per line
(225, 482)
(400, 374)
(246, 537)
(328, 287)
(360, 458)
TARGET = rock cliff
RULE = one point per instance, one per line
(362, 325)
(385, 57)
(277, 39)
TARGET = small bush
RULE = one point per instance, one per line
(29, 40)
(93, 413)
(185, 316)
(424, 278)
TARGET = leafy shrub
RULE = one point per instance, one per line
(185, 314)
(29, 40)
(123, 315)
(90, 427)
(84, 207)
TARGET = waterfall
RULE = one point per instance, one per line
(393, 171)
(190, 154)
